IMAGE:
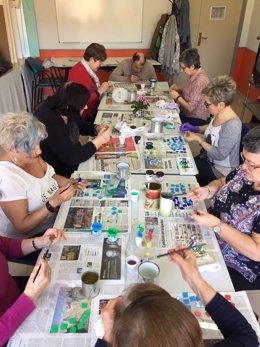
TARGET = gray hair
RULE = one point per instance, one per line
(251, 141)
(221, 89)
(21, 131)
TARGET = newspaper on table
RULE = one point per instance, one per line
(81, 252)
(78, 215)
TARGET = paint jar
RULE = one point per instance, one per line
(166, 204)
(96, 229)
(152, 196)
(89, 281)
(148, 272)
(149, 175)
(122, 171)
(159, 176)
(156, 125)
(153, 83)
(112, 235)
(131, 96)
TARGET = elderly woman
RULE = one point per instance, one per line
(17, 302)
(31, 191)
(84, 73)
(60, 114)
(149, 316)
(221, 142)
(192, 107)
(235, 215)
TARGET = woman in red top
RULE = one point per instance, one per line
(84, 73)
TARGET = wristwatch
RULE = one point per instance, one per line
(217, 228)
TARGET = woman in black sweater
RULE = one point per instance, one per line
(61, 114)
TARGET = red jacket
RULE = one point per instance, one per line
(80, 75)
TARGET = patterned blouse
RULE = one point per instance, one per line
(238, 205)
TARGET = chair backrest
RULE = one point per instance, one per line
(35, 65)
(244, 131)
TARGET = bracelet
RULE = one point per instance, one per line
(34, 245)
(51, 208)
(209, 192)
(177, 98)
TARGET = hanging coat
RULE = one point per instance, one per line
(169, 52)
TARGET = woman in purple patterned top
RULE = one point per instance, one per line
(235, 215)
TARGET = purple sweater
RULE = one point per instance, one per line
(13, 308)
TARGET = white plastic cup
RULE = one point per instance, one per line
(134, 195)
(148, 272)
(121, 140)
(122, 171)
(166, 204)
(132, 262)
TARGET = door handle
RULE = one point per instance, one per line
(201, 38)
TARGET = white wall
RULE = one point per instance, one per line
(47, 25)
(251, 26)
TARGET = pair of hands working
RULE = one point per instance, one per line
(186, 262)
(36, 285)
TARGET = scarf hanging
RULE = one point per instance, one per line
(91, 72)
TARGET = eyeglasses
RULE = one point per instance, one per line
(207, 104)
(183, 68)
(250, 167)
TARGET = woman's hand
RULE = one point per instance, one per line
(105, 87)
(174, 94)
(186, 261)
(191, 137)
(198, 194)
(62, 194)
(173, 87)
(50, 237)
(108, 315)
(103, 137)
(34, 288)
(205, 219)
(101, 126)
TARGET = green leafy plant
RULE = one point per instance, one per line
(141, 103)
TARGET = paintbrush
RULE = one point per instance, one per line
(177, 251)
(44, 257)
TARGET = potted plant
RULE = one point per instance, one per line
(139, 105)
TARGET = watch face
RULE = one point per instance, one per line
(216, 229)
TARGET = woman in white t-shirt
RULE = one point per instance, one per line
(31, 193)
(221, 142)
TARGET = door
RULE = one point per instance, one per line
(216, 34)
(213, 33)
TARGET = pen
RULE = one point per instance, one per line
(177, 251)
(44, 257)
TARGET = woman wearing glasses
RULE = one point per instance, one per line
(190, 97)
(221, 142)
(235, 215)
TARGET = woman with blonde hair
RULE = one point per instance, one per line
(220, 143)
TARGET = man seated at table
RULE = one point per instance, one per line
(133, 69)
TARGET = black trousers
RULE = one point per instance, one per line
(206, 174)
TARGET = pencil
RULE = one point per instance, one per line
(44, 257)
(177, 251)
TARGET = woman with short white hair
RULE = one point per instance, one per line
(31, 191)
